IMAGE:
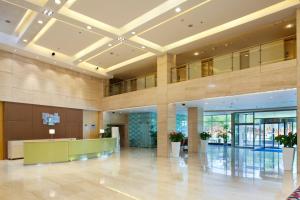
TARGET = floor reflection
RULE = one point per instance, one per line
(242, 162)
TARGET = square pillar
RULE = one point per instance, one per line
(166, 122)
(195, 126)
(166, 113)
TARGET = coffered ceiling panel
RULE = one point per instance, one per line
(67, 39)
(10, 17)
(118, 54)
(202, 18)
(114, 12)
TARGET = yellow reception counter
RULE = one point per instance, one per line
(52, 151)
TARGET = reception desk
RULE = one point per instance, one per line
(49, 151)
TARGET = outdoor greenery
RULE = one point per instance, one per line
(204, 136)
(289, 140)
(224, 133)
(176, 136)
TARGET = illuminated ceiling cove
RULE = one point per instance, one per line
(101, 36)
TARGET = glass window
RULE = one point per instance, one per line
(194, 70)
(244, 118)
(244, 60)
(150, 81)
(207, 68)
(217, 124)
(222, 64)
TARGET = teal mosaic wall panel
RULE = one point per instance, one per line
(181, 124)
(140, 129)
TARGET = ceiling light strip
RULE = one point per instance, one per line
(234, 23)
(159, 10)
(174, 17)
(130, 61)
(25, 22)
(92, 47)
(91, 67)
(44, 29)
(87, 20)
(103, 51)
(147, 43)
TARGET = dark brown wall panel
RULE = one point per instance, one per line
(24, 122)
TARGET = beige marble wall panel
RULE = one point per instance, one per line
(139, 98)
(27, 80)
(257, 79)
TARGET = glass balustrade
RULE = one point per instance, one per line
(262, 54)
(271, 52)
(130, 85)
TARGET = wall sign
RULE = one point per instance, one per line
(50, 119)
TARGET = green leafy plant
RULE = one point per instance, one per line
(225, 133)
(107, 132)
(204, 136)
(176, 136)
(288, 141)
(225, 137)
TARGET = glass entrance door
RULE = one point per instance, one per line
(270, 132)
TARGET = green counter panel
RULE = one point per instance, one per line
(45, 152)
(63, 151)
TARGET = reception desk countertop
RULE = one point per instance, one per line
(52, 151)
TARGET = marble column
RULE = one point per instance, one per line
(166, 113)
(1, 132)
(298, 85)
(195, 126)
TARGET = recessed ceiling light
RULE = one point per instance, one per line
(178, 9)
(289, 26)
(109, 45)
(143, 47)
(226, 44)
(133, 33)
(121, 38)
(25, 40)
(196, 54)
(246, 55)
(89, 27)
(58, 2)
(15, 50)
(79, 60)
(48, 12)
(40, 22)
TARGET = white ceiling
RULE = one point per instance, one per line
(10, 20)
(114, 12)
(72, 39)
(255, 101)
(203, 18)
(97, 35)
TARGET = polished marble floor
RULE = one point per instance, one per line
(223, 173)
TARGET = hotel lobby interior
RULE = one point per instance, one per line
(149, 99)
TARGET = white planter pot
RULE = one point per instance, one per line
(175, 148)
(288, 158)
(203, 146)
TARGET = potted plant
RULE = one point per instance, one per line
(224, 134)
(204, 136)
(175, 138)
(288, 141)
